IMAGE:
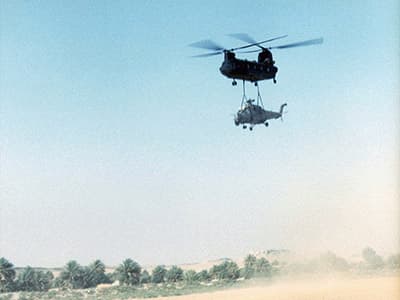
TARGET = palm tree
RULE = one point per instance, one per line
(145, 277)
(227, 270)
(158, 274)
(190, 276)
(27, 280)
(203, 275)
(263, 267)
(98, 266)
(71, 275)
(7, 275)
(129, 272)
(44, 280)
(249, 266)
(96, 274)
(174, 274)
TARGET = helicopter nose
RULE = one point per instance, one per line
(236, 119)
(223, 70)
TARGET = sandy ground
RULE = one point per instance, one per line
(381, 288)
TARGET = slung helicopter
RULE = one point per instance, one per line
(262, 69)
(254, 114)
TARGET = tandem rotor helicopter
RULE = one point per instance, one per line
(262, 69)
(253, 71)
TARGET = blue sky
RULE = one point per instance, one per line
(115, 143)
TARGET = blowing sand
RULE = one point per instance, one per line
(380, 288)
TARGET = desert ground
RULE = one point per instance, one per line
(371, 288)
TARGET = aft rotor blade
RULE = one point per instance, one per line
(250, 51)
(300, 44)
(207, 44)
(207, 54)
(259, 43)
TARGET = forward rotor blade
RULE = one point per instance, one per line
(207, 54)
(259, 43)
(300, 44)
(207, 44)
(243, 37)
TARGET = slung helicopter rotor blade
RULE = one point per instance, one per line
(207, 44)
(259, 43)
(207, 54)
(300, 44)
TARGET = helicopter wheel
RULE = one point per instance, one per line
(251, 128)
(244, 126)
(256, 83)
(234, 82)
(274, 80)
(266, 124)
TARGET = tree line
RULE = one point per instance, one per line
(130, 273)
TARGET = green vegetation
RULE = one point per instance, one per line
(256, 267)
(32, 280)
(75, 276)
(145, 277)
(372, 260)
(96, 274)
(71, 276)
(158, 274)
(227, 270)
(128, 272)
(203, 276)
(393, 262)
(131, 281)
(174, 274)
(7, 275)
(249, 266)
(190, 277)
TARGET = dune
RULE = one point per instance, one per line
(385, 288)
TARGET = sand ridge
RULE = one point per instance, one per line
(374, 288)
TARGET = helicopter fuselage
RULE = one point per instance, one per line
(252, 71)
(254, 114)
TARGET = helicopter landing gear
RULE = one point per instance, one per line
(251, 128)
(244, 126)
(234, 82)
(266, 124)
(274, 80)
(256, 83)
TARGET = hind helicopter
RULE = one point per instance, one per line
(254, 114)
(262, 69)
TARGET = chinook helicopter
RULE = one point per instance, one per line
(254, 114)
(262, 69)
